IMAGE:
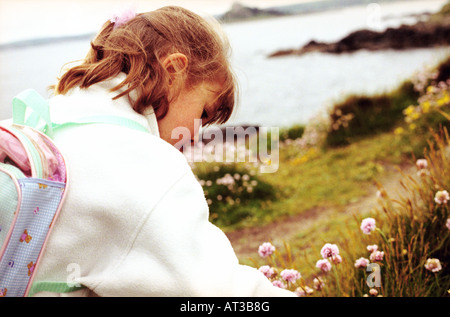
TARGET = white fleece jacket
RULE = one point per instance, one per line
(135, 220)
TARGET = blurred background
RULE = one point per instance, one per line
(38, 37)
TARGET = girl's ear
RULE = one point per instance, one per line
(175, 64)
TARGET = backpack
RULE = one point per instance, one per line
(33, 183)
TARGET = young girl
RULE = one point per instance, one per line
(135, 220)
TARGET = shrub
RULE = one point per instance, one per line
(234, 191)
(360, 116)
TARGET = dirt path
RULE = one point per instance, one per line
(246, 241)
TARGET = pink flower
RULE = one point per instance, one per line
(329, 250)
(266, 249)
(290, 275)
(318, 284)
(442, 197)
(373, 292)
(377, 256)
(303, 291)
(433, 265)
(361, 263)
(368, 225)
(336, 259)
(421, 163)
(324, 265)
(279, 284)
(267, 271)
(447, 224)
(372, 248)
(123, 16)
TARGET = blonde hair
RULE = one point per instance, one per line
(137, 49)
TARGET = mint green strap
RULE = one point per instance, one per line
(53, 287)
(103, 119)
(40, 111)
(30, 99)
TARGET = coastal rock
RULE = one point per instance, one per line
(419, 35)
(240, 12)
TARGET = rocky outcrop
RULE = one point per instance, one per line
(419, 35)
(238, 12)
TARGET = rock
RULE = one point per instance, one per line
(240, 12)
(419, 35)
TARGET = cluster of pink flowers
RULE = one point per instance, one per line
(442, 197)
(267, 271)
(286, 279)
(433, 265)
(375, 254)
(421, 164)
(266, 249)
(368, 225)
(324, 265)
(290, 275)
(361, 263)
(330, 254)
(279, 284)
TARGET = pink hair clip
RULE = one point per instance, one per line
(123, 16)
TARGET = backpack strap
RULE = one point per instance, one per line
(121, 121)
(39, 118)
(30, 99)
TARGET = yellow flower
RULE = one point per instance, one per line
(431, 89)
(426, 106)
(399, 131)
(412, 126)
(409, 110)
(443, 101)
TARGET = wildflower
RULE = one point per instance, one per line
(290, 275)
(336, 259)
(324, 265)
(361, 263)
(372, 248)
(368, 225)
(303, 291)
(226, 180)
(447, 224)
(381, 193)
(441, 197)
(377, 256)
(329, 250)
(423, 172)
(267, 271)
(399, 131)
(421, 163)
(279, 284)
(266, 249)
(318, 284)
(373, 292)
(433, 265)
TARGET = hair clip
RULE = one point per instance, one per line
(123, 16)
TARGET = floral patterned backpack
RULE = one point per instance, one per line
(33, 183)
